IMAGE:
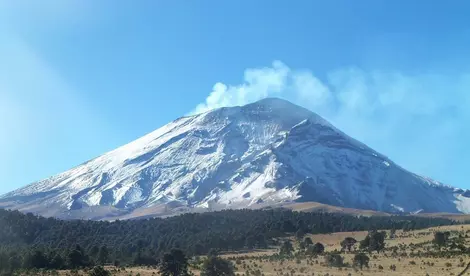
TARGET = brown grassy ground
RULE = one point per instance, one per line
(413, 241)
(319, 207)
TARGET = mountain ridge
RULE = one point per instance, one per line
(267, 152)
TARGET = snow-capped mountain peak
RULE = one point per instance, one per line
(267, 152)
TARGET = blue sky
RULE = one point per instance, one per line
(79, 78)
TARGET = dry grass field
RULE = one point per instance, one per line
(413, 243)
(406, 254)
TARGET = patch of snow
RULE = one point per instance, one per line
(397, 208)
(462, 203)
(416, 212)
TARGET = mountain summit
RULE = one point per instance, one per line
(260, 154)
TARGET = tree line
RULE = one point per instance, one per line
(30, 241)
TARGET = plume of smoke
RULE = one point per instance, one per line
(418, 120)
(275, 81)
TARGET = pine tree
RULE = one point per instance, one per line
(174, 263)
(286, 248)
(361, 260)
(215, 266)
(103, 255)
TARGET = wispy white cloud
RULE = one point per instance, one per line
(42, 117)
(53, 14)
(32, 89)
(419, 120)
(45, 122)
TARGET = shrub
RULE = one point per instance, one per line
(334, 260)
(315, 249)
(361, 260)
(99, 271)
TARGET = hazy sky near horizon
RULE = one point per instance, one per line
(81, 77)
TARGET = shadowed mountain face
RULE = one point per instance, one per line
(259, 154)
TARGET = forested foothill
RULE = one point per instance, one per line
(32, 242)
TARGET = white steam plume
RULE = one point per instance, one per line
(420, 121)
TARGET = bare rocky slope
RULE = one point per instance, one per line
(261, 154)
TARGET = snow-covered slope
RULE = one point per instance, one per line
(263, 153)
